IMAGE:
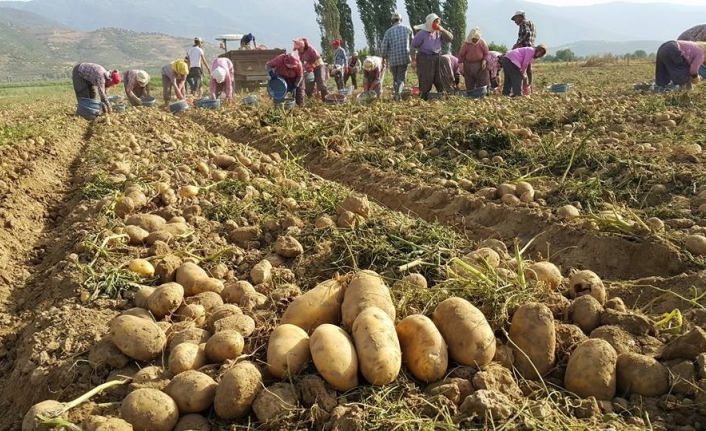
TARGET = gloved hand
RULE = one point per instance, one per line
(272, 74)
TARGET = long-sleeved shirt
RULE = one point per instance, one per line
(526, 34)
(227, 83)
(395, 45)
(428, 43)
(311, 57)
(96, 75)
(354, 64)
(174, 79)
(521, 57)
(494, 63)
(279, 65)
(454, 62)
(473, 53)
(339, 57)
(693, 54)
(130, 81)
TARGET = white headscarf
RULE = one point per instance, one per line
(427, 25)
(474, 34)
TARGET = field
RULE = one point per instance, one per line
(505, 203)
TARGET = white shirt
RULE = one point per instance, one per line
(195, 53)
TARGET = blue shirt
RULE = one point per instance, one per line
(395, 45)
(340, 58)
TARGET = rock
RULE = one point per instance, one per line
(533, 340)
(261, 272)
(683, 377)
(495, 377)
(567, 338)
(641, 375)
(438, 405)
(587, 408)
(587, 283)
(455, 389)
(242, 236)
(621, 340)
(568, 212)
(165, 268)
(274, 401)
(315, 390)
(632, 322)
(355, 204)
(701, 366)
(106, 354)
(616, 304)
(288, 246)
(591, 370)
(488, 405)
(346, 418)
(348, 219)
(324, 222)
(687, 346)
(696, 245)
(585, 312)
(559, 305)
(504, 355)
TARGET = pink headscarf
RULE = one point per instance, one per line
(293, 63)
(300, 43)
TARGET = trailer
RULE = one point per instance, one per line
(249, 65)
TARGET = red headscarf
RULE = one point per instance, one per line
(293, 63)
(336, 43)
(115, 78)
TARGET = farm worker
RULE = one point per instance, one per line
(352, 70)
(679, 61)
(494, 67)
(451, 62)
(427, 42)
(196, 58)
(396, 52)
(311, 60)
(475, 55)
(245, 41)
(696, 33)
(526, 34)
(174, 75)
(289, 68)
(373, 72)
(515, 64)
(91, 81)
(221, 78)
(136, 86)
(340, 61)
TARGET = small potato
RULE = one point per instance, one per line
(233, 292)
(187, 356)
(209, 300)
(544, 272)
(193, 422)
(148, 222)
(141, 296)
(366, 289)
(137, 338)
(334, 356)
(322, 304)
(100, 423)
(424, 350)
(225, 310)
(591, 371)
(377, 345)
(587, 283)
(585, 312)
(288, 350)
(224, 345)
(192, 391)
(192, 335)
(237, 391)
(165, 299)
(142, 267)
(149, 410)
(466, 331)
(193, 312)
(534, 340)
(151, 377)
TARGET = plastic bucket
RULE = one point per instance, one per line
(367, 97)
(560, 88)
(333, 98)
(477, 92)
(406, 94)
(178, 106)
(277, 88)
(207, 103)
(346, 91)
(251, 100)
(148, 101)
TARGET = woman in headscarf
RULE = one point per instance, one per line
(515, 64)
(311, 60)
(678, 61)
(136, 86)
(474, 56)
(245, 41)
(174, 75)
(494, 67)
(427, 42)
(289, 68)
(221, 78)
(373, 73)
(352, 71)
(452, 64)
(91, 81)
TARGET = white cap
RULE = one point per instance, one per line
(518, 13)
(219, 74)
(397, 16)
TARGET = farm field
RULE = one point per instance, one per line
(556, 246)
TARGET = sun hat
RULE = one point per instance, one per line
(143, 77)
(518, 13)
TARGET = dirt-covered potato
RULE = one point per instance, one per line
(424, 350)
(224, 345)
(544, 272)
(275, 401)
(467, 333)
(237, 390)
(377, 345)
(187, 356)
(189, 335)
(165, 299)
(193, 391)
(189, 276)
(533, 340)
(209, 300)
(585, 312)
(149, 410)
(366, 289)
(322, 304)
(141, 296)
(288, 350)
(193, 422)
(587, 283)
(334, 356)
(193, 312)
(225, 310)
(152, 377)
(241, 323)
(102, 423)
(642, 375)
(137, 338)
(591, 370)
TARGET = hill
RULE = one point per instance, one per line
(594, 47)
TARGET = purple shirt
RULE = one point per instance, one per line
(96, 75)
(521, 57)
(228, 82)
(427, 43)
(454, 62)
(693, 54)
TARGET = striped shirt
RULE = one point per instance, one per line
(340, 58)
(396, 45)
(95, 74)
(526, 35)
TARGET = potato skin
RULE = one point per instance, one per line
(334, 356)
(322, 304)
(287, 351)
(237, 390)
(187, 356)
(424, 350)
(533, 335)
(165, 299)
(190, 275)
(224, 345)
(642, 375)
(466, 331)
(591, 370)
(377, 345)
(137, 338)
(366, 289)
(149, 410)
(192, 391)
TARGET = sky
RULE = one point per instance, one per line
(589, 2)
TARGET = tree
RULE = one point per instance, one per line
(502, 49)
(640, 53)
(375, 15)
(453, 17)
(346, 27)
(419, 9)
(565, 55)
(329, 21)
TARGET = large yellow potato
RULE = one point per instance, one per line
(149, 410)
(190, 276)
(466, 331)
(193, 391)
(366, 289)
(334, 356)
(534, 340)
(165, 299)
(137, 338)
(237, 391)
(288, 350)
(591, 371)
(322, 304)
(187, 356)
(424, 350)
(224, 345)
(378, 348)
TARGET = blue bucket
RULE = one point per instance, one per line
(208, 103)
(148, 101)
(477, 93)
(251, 100)
(277, 88)
(560, 88)
(178, 106)
(702, 71)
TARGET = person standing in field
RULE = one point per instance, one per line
(526, 36)
(196, 59)
(221, 78)
(427, 42)
(174, 75)
(352, 71)
(136, 86)
(396, 52)
(678, 61)
(91, 81)
(373, 73)
(474, 55)
(312, 62)
(340, 61)
(515, 65)
(289, 68)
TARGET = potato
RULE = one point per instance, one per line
(587, 283)
(190, 335)
(585, 312)
(138, 312)
(334, 356)
(224, 345)
(151, 377)
(148, 222)
(190, 276)
(225, 310)
(534, 340)
(142, 267)
(101, 423)
(591, 370)
(240, 322)
(322, 304)
(149, 410)
(141, 296)
(234, 291)
(237, 391)
(377, 345)
(137, 338)
(193, 422)
(187, 356)
(192, 391)
(424, 350)
(544, 272)
(209, 300)
(224, 161)
(194, 312)
(466, 331)
(275, 401)
(366, 289)
(641, 375)
(165, 299)
(287, 351)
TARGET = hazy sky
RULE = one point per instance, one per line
(587, 2)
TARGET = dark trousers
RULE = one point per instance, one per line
(298, 85)
(353, 75)
(671, 65)
(194, 79)
(83, 88)
(338, 78)
(399, 77)
(513, 78)
(319, 82)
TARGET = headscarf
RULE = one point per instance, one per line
(180, 67)
(336, 43)
(474, 34)
(219, 74)
(292, 62)
(369, 64)
(143, 78)
(300, 43)
(115, 78)
(428, 23)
